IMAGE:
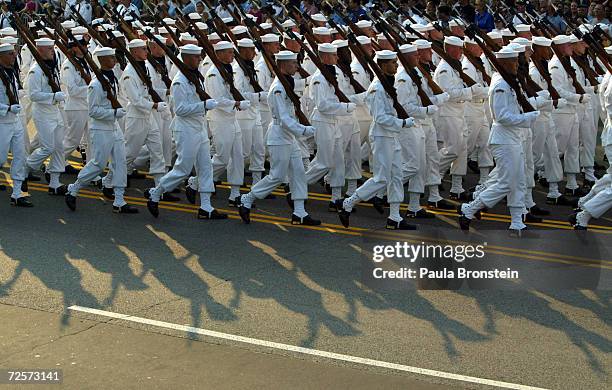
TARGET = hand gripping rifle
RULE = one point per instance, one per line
(110, 95)
(194, 78)
(509, 78)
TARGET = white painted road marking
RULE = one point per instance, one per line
(306, 351)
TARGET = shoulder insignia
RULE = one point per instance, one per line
(65, 67)
(91, 87)
(31, 72)
(212, 75)
(373, 91)
(278, 92)
(316, 82)
(554, 67)
(176, 83)
(465, 68)
(401, 81)
(500, 90)
(355, 72)
(126, 78)
(443, 71)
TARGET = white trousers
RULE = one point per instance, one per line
(50, 134)
(228, 156)
(587, 135)
(414, 161)
(253, 143)
(12, 138)
(139, 132)
(453, 155)
(351, 146)
(432, 155)
(387, 159)
(478, 139)
(329, 157)
(76, 131)
(510, 181)
(285, 161)
(105, 145)
(545, 150)
(566, 128)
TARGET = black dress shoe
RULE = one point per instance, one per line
(401, 225)
(23, 201)
(47, 177)
(168, 197)
(536, 210)
(345, 217)
(24, 186)
(561, 201)
(245, 214)
(464, 222)
(306, 221)
(332, 207)
(59, 191)
(136, 175)
(572, 220)
(473, 165)
(125, 209)
(543, 182)
(578, 192)
(421, 214)
(153, 208)
(442, 205)
(190, 194)
(458, 197)
(203, 214)
(236, 202)
(70, 201)
(70, 170)
(379, 205)
(33, 177)
(531, 218)
(109, 193)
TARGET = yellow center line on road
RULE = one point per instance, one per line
(356, 231)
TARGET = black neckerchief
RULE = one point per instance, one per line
(109, 75)
(230, 71)
(390, 79)
(291, 81)
(16, 73)
(196, 75)
(250, 65)
(143, 66)
(83, 63)
(331, 69)
(52, 66)
(162, 63)
(13, 80)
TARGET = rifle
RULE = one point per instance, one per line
(598, 50)
(92, 32)
(142, 75)
(69, 56)
(12, 98)
(53, 83)
(94, 67)
(210, 52)
(509, 78)
(197, 81)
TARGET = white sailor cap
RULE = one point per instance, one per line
(117, 34)
(364, 24)
(418, 27)
(517, 47)
(507, 33)
(187, 37)
(136, 43)
(266, 26)
(340, 43)
(8, 31)
(79, 30)
(561, 39)
(380, 37)
(169, 21)
(318, 18)
(608, 49)
(68, 24)
(201, 26)
(288, 23)
(469, 40)
(422, 44)
(270, 38)
(42, 33)
(385, 55)
(191, 49)
(285, 55)
(327, 48)
(223, 45)
(102, 51)
(227, 20)
(495, 35)
(128, 18)
(4, 47)
(333, 31)
(97, 21)
(11, 40)
(522, 41)
(287, 36)
(212, 37)
(245, 42)
(252, 17)
(452, 40)
(239, 30)
(362, 39)
(31, 24)
(408, 48)
(506, 52)
(321, 31)
(195, 16)
(541, 41)
(453, 23)
(41, 42)
(522, 27)
(160, 38)
(573, 39)
(162, 30)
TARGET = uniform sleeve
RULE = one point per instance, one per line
(180, 96)
(72, 82)
(444, 79)
(376, 103)
(407, 98)
(4, 109)
(217, 90)
(35, 86)
(562, 84)
(325, 100)
(501, 100)
(135, 94)
(95, 95)
(288, 120)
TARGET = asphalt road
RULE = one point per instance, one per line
(292, 285)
